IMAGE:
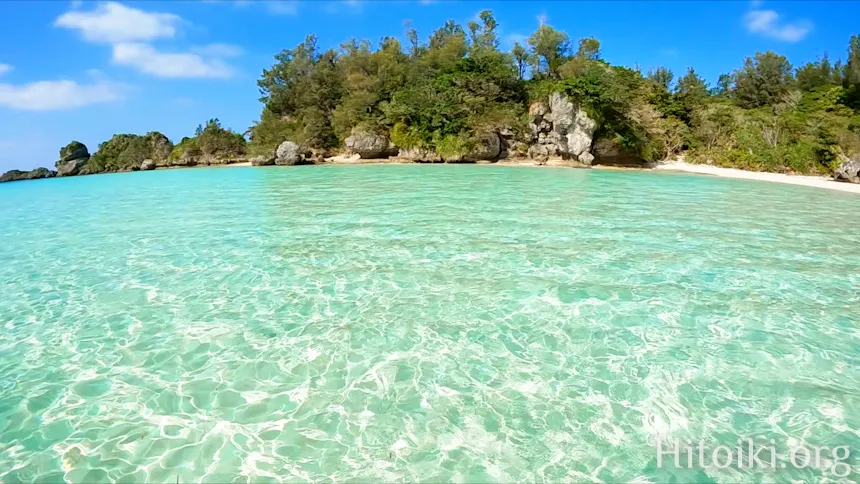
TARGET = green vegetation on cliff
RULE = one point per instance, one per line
(449, 96)
(125, 152)
(440, 94)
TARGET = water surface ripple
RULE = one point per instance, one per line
(434, 323)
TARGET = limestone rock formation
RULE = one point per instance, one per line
(512, 143)
(367, 144)
(73, 151)
(73, 157)
(159, 146)
(849, 170)
(561, 129)
(290, 153)
(18, 175)
(419, 155)
(488, 147)
(263, 160)
(70, 167)
(147, 164)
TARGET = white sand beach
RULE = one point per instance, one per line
(807, 181)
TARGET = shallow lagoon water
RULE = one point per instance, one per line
(434, 323)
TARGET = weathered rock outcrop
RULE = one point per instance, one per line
(263, 160)
(512, 143)
(849, 170)
(290, 153)
(70, 167)
(159, 146)
(488, 147)
(73, 156)
(419, 155)
(367, 144)
(18, 175)
(73, 151)
(561, 129)
(147, 164)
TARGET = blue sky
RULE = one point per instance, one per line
(86, 70)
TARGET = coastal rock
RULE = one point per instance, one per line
(488, 147)
(849, 170)
(159, 146)
(538, 109)
(561, 128)
(263, 160)
(186, 159)
(512, 143)
(73, 151)
(73, 157)
(71, 167)
(316, 155)
(147, 164)
(18, 175)
(290, 153)
(367, 144)
(419, 155)
(391, 150)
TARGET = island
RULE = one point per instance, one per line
(457, 98)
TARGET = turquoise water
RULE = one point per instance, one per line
(441, 323)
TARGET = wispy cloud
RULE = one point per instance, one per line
(282, 7)
(343, 6)
(217, 50)
(768, 24)
(113, 22)
(146, 59)
(4, 68)
(131, 31)
(57, 95)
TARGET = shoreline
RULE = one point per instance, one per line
(798, 180)
(668, 167)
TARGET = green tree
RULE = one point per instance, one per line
(763, 80)
(550, 49)
(521, 59)
(692, 85)
(814, 74)
(589, 49)
(305, 85)
(662, 77)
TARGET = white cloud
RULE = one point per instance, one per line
(146, 59)
(217, 50)
(4, 68)
(282, 7)
(55, 95)
(343, 6)
(113, 22)
(767, 23)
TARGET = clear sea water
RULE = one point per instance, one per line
(433, 323)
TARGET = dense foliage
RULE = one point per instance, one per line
(125, 152)
(443, 93)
